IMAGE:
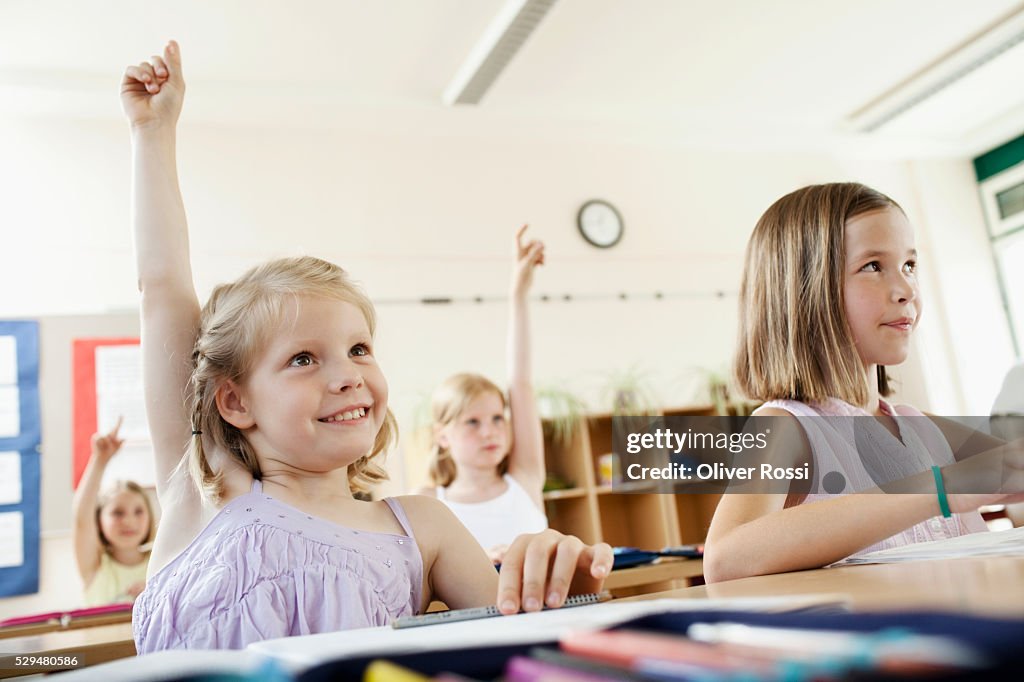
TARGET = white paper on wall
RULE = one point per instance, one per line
(119, 391)
(119, 394)
(12, 532)
(10, 477)
(8, 360)
(10, 411)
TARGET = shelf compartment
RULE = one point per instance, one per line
(694, 513)
(574, 516)
(647, 521)
(564, 494)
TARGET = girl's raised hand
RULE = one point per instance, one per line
(152, 92)
(106, 446)
(528, 257)
(544, 568)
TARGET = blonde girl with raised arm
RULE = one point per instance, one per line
(273, 391)
(113, 529)
(487, 460)
(829, 299)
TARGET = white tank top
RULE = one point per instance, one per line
(500, 520)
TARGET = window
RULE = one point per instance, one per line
(1003, 198)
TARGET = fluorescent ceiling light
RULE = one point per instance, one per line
(496, 48)
(975, 81)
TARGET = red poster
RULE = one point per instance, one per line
(83, 369)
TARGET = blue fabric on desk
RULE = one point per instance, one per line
(999, 639)
(483, 663)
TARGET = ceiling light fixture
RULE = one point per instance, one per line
(495, 49)
(980, 49)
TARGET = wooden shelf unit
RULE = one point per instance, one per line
(597, 513)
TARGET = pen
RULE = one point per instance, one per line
(475, 613)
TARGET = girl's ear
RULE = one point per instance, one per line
(233, 406)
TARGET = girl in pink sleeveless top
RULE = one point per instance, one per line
(830, 299)
(275, 389)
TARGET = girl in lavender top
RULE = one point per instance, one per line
(274, 387)
(829, 299)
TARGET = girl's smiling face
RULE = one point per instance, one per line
(880, 288)
(315, 399)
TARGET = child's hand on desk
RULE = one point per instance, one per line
(544, 568)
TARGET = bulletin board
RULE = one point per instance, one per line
(107, 386)
(20, 437)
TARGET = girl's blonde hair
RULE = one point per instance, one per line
(449, 401)
(234, 328)
(120, 487)
(795, 342)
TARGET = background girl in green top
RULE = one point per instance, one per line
(113, 530)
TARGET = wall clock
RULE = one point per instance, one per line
(600, 223)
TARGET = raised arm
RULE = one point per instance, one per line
(151, 95)
(88, 547)
(526, 460)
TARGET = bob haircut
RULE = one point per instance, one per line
(449, 401)
(795, 342)
(234, 328)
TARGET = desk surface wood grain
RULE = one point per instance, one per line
(990, 586)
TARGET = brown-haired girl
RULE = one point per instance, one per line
(829, 299)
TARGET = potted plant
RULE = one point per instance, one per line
(562, 411)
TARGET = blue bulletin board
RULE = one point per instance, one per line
(20, 436)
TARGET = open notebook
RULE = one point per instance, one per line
(299, 653)
(995, 543)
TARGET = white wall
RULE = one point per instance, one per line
(423, 212)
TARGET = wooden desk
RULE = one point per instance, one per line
(55, 625)
(666, 574)
(91, 645)
(991, 586)
(988, 586)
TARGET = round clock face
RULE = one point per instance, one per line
(599, 223)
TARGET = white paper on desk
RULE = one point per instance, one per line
(8, 360)
(10, 477)
(298, 653)
(12, 526)
(993, 543)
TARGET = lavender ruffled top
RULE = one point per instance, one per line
(263, 569)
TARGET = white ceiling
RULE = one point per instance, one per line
(719, 73)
